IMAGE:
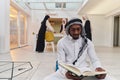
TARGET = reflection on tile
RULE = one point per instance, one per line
(44, 63)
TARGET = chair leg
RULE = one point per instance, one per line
(53, 47)
(45, 47)
(52, 44)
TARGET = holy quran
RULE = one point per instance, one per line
(77, 71)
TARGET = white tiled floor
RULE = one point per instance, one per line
(44, 63)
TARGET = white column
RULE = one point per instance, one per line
(18, 27)
(4, 26)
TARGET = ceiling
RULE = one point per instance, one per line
(69, 5)
(79, 6)
(101, 7)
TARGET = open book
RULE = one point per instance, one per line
(77, 72)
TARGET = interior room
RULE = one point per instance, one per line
(21, 21)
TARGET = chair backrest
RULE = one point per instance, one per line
(49, 36)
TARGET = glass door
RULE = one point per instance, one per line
(23, 30)
(18, 29)
(13, 28)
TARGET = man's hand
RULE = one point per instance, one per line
(101, 76)
(69, 75)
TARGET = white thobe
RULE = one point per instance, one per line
(68, 50)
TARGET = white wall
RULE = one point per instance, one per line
(102, 30)
(4, 26)
(109, 31)
(98, 24)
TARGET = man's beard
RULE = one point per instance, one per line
(75, 38)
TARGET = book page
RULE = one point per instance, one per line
(100, 72)
(88, 73)
(93, 73)
(71, 68)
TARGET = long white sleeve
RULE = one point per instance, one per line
(92, 54)
(61, 56)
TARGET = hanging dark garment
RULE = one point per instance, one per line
(40, 45)
(87, 27)
(41, 38)
(61, 28)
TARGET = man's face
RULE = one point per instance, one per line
(75, 31)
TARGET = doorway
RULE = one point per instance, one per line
(116, 37)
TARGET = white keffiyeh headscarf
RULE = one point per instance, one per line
(74, 21)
